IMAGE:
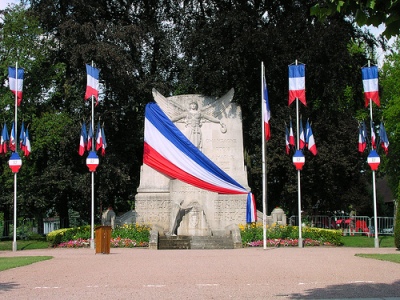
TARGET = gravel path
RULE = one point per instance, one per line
(251, 273)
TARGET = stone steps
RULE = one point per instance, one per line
(195, 242)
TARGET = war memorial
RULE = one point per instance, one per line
(176, 208)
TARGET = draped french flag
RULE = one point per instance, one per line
(168, 151)
(251, 211)
(89, 138)
(82, 140)
(16, 82)
(297, 83)
(99, 137)
(266, 111)
(27, 144)
(292, 141)
(370, 83)
(92, 87)
(11, 143)
(312, 147)
(384, 138)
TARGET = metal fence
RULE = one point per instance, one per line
(348, 224)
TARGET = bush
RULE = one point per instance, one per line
(288, 235)
(397, 226)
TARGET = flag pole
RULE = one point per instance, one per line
(376, 239)
(300, 241)
(92, 175)
(14, 244)
(264, 177)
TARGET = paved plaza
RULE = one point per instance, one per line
(250, 273)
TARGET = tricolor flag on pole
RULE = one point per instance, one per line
(16, 82)
(370, 83)
(373, 137)
(99, 137)
(292, 141)
(89, 138)
(27, 143)
(104, 145)
(312, 147)
(384, 138)
(92, 87)
(287, 145)
(22, 137)
(297, 83)
(82, 140)
(302, 142)
(251, 211)
(4, 139)
(11, 144)
(362, 144)
(266, 110)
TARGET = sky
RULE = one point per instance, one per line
(374, 30)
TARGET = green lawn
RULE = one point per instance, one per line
(385, 241)
(24, 245)
(13, 262)
(387, 257)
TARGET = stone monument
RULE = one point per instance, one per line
(174, 207)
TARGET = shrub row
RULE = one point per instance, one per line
(138, 233)
(254, 232)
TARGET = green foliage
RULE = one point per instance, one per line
(397, 226)
(254, 232)
(140, 234)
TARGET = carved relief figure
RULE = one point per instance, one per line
(193, 117)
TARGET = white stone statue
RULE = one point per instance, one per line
(193, 116)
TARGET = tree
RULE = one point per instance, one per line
(365, 12)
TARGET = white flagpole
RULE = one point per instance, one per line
(376, 239)
(14, 245)
(264, 177)
(298, 173)
(92, 206)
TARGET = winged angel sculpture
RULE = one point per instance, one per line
(193, 116)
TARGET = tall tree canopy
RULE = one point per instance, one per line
(181, 47)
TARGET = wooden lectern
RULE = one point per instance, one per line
(102, 239)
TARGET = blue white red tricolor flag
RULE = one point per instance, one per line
(16, 82)
(312, 147)
(27, 143)
(251, 211)
(373, 136)
(104, 145)
(302, 142)
(4, 139)
(92, 87)
(297, 83)
(22, 137)
(99, 137)
(287, 145)
(362, 143)
(169, 151)
(89, 138)
(266, 111)
(12, 142)
(292, 141)
(82, 140)
(384, 138)
(370, 83)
